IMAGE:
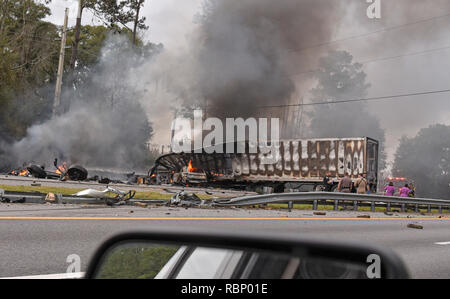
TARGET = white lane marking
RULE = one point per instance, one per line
(442, 243)
(51, 276)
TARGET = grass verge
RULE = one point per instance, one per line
(166, 196)
(309, 207)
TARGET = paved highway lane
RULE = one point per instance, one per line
(37, 239)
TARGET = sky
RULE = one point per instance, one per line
(172, 21)
(169, 20)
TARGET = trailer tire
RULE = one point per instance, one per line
(319, 188)
(77, 173)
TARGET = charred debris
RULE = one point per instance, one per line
(74, 172)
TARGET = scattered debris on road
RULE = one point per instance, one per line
(93, 193)
(185, 199)
(115, 203)
(121, 198)
(415, 226)
(320, 213)
(364, 216)
(141, 204)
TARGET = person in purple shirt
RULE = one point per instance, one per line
(404, 192)
(389, 190)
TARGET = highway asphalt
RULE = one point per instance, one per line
(37, 239)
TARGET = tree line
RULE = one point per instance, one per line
(29, 54)
(424, 159)
(97, 60)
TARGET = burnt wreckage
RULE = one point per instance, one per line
(63, 172)
(301, 166)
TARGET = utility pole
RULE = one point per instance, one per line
(74, 57)
(57, 101)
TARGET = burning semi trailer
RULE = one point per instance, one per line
(301, 166)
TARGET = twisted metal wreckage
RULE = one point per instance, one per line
(299, 165)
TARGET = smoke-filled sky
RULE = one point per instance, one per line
(172, 23)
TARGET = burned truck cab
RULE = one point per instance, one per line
(190, 175)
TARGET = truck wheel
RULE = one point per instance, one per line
(77, 173)
(319, 188)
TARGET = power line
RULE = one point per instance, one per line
(88, 52)
(383, 59)
(359, 100)
(406, 55)
(368, 33)
(41, 39)
(18, 33)
(34, 61)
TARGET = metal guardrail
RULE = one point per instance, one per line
(315, 198)
(336, 199)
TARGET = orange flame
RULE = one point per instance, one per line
(23, 172)
(191, 168)
(62, 169)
